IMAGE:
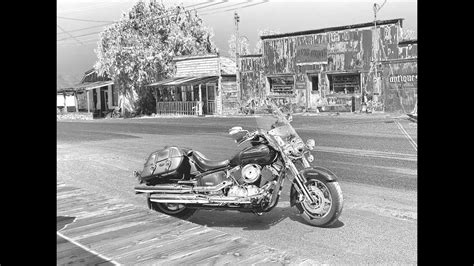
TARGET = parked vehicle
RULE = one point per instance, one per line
(179, 181)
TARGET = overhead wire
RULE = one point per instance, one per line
(233, 9)
(74, 37)
(76, 30)
(167, 15)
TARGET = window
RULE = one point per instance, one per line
(314, 83)
(344, 83)
(282, 85)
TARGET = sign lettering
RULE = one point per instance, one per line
(403, 78)
(314, 54)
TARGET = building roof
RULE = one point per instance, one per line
(407, 42)
(190, 57)
(93, 85)
(183, 81)
(251, 55)
(337, 28)
(228, 66)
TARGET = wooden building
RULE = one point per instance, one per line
(334, 69)
(94, 94)
(202, 85)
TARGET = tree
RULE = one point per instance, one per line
(259, 45)
(244, 46)
(408, 34)
(139, 48)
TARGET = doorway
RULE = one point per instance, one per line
(104, 100)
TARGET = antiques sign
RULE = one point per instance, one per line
(403, 78)
(311, 54)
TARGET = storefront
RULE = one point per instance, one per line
(202, 85)
(330, 69)
(186, 96)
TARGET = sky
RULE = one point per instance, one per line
(80, 21)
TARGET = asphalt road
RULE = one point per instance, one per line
(373, 156)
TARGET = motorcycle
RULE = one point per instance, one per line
(179, 181)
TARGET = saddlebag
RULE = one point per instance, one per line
(162, 165)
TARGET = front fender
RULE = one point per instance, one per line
(322, 172)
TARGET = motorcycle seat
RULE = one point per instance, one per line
(205, 164)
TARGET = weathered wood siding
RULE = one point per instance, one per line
(348, 50)
(230, 101)
(400, 80)
(197, 67)
(400, 86)
(252, 79)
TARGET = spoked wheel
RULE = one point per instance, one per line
(327, 205)
(172, 209)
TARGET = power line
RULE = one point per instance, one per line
(221, 2)
(81, 29)
(209, 1)
(80, 35)
(233, 9)
(97, 5)
(74, 37)
(248, 1)
(86, 20)
(171, 11)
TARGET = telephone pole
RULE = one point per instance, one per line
(376, 50)
(237, 54)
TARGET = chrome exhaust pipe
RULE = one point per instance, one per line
(181, 189)
(197, 199)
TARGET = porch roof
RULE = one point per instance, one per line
(181, 81)
(93, 85)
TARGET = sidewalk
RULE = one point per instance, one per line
(112, 231)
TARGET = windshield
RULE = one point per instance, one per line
(274, 119)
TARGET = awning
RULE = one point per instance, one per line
(65, 90)
(93, 85)
(181, 81)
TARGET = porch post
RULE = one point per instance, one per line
(200, 101)
(65, 103)
(88, 101)
(99, 102)
(109, 98)
(156, 98)
(75, 101)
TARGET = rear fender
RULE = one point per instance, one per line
(326, 174)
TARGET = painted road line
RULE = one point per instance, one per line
(87, 249)
(412, 142)
(368, 153)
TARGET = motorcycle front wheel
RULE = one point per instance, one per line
(328, 206)
(172, 209)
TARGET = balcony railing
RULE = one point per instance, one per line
(178, 108)
(185, 108)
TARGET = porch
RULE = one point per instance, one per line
(100, 97)
(186, 95)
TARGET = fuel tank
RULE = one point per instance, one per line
(259, 154)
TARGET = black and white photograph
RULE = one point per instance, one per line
(236, 132)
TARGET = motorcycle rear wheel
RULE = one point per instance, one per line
(176, 210)
(329, 206)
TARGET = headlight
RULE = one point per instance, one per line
(310, 143)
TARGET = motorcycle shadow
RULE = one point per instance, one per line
(250, 221)
(62, 221)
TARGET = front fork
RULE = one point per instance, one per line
(299, 179)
